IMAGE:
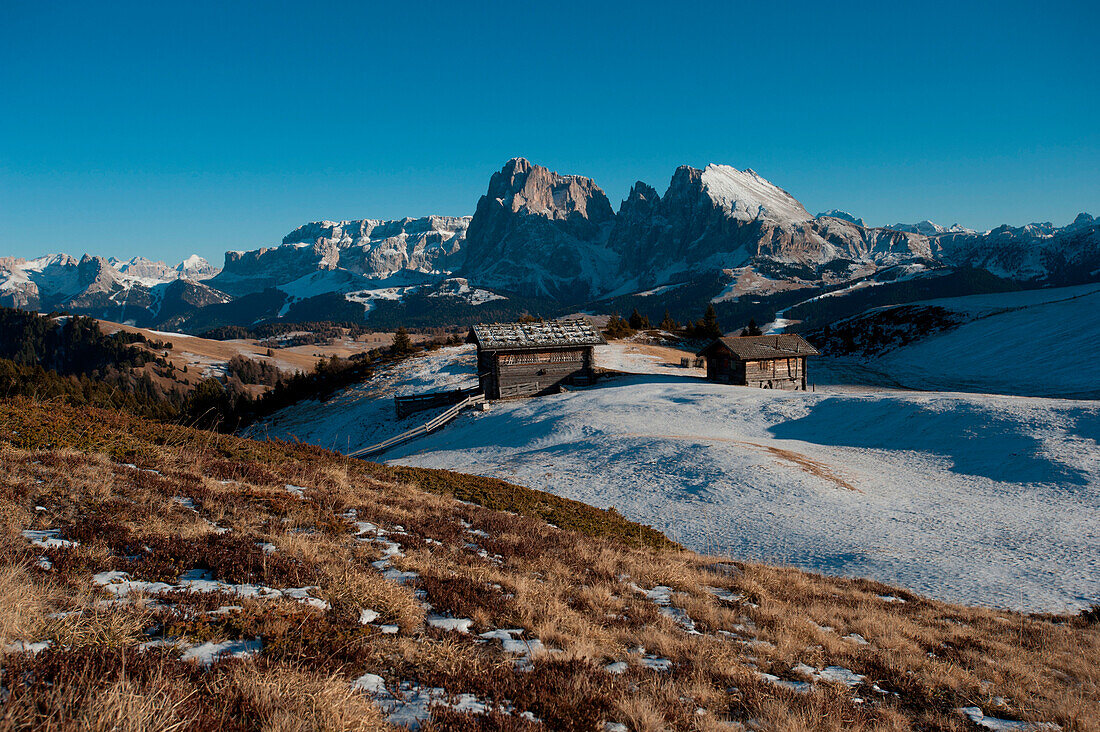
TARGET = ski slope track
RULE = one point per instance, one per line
(974, 498)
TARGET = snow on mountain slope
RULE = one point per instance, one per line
(542, 235)
(58, 281)
(991, 500)
(929, 228)
(421, 250)
(458, 288)
(1067, 255)
(196, 268)
(836, 213)
(1035, 342)
(383, 248)
(746, 196)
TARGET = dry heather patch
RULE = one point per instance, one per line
(316, 570)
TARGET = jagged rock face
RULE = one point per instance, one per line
(143, 268)
(193, 268)
(97, 281)
(379, 249)
(369, 249)
(539, 233)
(929, 228)
(17, 290)
(722, 217)
(257, 270)
(132, 291)
(1032, 253)
(845, 240)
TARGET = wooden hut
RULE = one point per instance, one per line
(766, 361)
(527, 359)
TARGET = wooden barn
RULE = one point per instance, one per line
(527, 359)
(765, 361)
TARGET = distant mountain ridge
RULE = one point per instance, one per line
(551, 241)
(108, 286)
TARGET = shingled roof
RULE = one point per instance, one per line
(549, 334)
(759, 348)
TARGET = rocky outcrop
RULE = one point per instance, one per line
(539, 233)
(135, 290)
(149, 272)
(379, 249)
(929, 228)
(1035, 253)
(369, 249)
(260, 269)
(721, 217)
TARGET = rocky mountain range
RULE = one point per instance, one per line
(539, 239)
(137, 289)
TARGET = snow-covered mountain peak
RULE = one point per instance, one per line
(929, 228)
(40, 263)
(747, 195)
(148, 272)
(836, 213)
(194, 262)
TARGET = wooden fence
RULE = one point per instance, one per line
(428, 427)
(406, 405)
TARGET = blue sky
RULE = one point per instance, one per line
(165, 129)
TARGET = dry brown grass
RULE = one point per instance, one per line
(294, 700)
(571, 589)
(22, 604)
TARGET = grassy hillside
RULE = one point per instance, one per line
(159, 577)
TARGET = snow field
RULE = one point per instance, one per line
(980, 499)
(972, 498)
(985, 500)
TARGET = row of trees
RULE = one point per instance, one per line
(705, 328)
(67, 344)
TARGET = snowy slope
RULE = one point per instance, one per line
(929, 228)
(747, 196)
(980, 499)
(363, 414)
(1033, 343)
(985, 500)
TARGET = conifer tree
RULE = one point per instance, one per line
(402, 344)
(709, 325)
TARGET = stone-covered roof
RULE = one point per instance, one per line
(548, 334)
(763, 347)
